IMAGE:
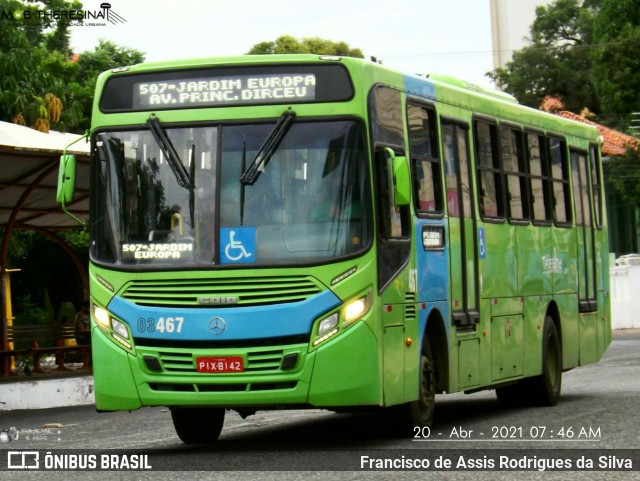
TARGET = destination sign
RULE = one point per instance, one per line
(226, 86)
(155, 251)
(216, 91)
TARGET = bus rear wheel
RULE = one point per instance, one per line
(542, 390)
(545, 389)
(198, 425)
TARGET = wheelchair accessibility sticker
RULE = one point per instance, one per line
(482, 243)
(237, 244)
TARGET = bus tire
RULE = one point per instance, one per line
(542, 390)
(198, 425)
(423, 408)
(418, 413)
(545, 388)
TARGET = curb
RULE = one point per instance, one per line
(44, 394)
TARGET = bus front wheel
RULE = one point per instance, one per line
(198, 425)
(422, 409)
(419, 413)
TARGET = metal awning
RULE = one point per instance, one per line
(28, 184)
(29, 176)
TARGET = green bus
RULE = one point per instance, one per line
(315, 231)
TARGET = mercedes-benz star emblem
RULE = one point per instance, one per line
(217, 326)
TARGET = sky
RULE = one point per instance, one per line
(451, 37)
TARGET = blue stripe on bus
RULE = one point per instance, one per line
(255, 322)
(432, 271)
(420, 86)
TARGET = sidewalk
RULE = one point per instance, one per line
(47, 390)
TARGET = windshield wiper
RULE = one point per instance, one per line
(170, 153)
(267, 149)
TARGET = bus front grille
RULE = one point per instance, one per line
(225, 292)
(256, 361)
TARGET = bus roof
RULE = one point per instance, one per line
(448, 90)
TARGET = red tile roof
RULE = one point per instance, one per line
(615, 142)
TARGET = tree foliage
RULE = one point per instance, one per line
(558, 61)
(616, 59)
(90, 64)
(287, 44)
(43, 84)
(585, 51)
(623, 174)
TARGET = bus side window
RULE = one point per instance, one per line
(512, 154)
(596, 188)
(425, 160)
(491, 198)
(540, 205)
(560, 180)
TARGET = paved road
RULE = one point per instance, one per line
(597, 412)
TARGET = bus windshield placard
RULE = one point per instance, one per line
(226, 86)
(228, 90)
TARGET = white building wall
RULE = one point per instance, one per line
(511, 21)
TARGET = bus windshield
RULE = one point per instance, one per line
(306, 206)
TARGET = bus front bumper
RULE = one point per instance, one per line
(342, 372)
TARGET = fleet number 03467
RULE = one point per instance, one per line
(162, 325)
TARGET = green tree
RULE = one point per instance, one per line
(616, 59)
(623, 174)
(82, 79)
(558, 61)
(287, 44)
(585, 51)
(29, 93)
(588, 53)
(42, 83)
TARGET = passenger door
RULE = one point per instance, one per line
(464, 246)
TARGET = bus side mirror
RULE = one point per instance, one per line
(401, 177)
(66, 179)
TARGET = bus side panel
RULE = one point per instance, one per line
(486, 349)
(432, 276)
(347, 370)
(603, 289)
(563, 264)
(604, 322)
(569, 328)
(498, 269)
(588, 338)
(534, 255)
(114, 384)
(431, 265)
(535, 310)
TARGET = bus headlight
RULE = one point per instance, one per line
(119, 328)
(327, 328)
(327, 324)
(355, 309)
(101, 316)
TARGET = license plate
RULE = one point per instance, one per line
(220, 364)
